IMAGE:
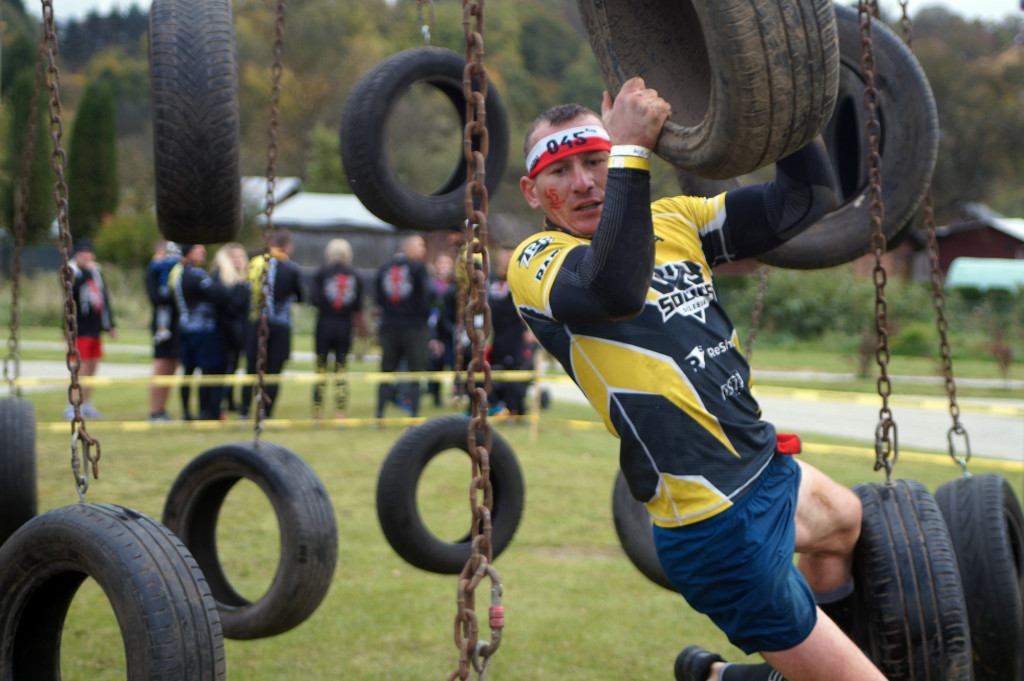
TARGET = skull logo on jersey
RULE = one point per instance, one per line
(682, 289)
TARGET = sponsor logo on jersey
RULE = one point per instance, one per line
(532, 249)
(682, 289)
(699, 355)
(734, 386)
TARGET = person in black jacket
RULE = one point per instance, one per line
(230, 268)
(337, 295)
(163, 325)
(284, 289)
(94, 315)
(199, 301)
(404, 295)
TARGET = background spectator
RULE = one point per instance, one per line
(164, 324)
(229, 268)
(404, 295)
(94, 315)
(337, 295)
(283, 290)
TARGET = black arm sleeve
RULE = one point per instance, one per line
(609, 278)
(763, 216)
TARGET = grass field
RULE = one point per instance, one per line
(575, 606)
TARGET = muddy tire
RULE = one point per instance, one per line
(986, 527)
(908, 586)
(194, 91)
(167, 617)
(749, 81)
(364, 140)
(305, 516)
(18, 489)
(908, 146)
(397, 508)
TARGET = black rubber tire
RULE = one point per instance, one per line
(908, 586)
(397, 509)
(749, 81)
(19, 496)
(908, 145)
(167, 617)
(695, 185)
(363, 140)
(986, 527)
(633, 527)
(305, 516)
(194, 92)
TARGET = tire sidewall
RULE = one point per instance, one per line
(397, 508)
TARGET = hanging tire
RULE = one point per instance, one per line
(749, 81)
(986, 527)
(909, 590)
(18, 490)
(364, 150)
(399, 513)
(908, 144)
(305, 516)
(194, 91)
(163, 606)
(633, 526)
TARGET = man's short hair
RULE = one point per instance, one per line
(554, 116)
(281, 238)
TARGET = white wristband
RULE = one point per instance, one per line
(630, 150)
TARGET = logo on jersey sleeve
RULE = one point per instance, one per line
(532, 249)
(682, 289)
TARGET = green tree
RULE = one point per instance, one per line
(92, 161)
(40, 202)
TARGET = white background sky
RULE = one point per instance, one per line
(992, 10)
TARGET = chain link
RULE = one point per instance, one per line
(473, 652)
(886, 440)
(939, 298)
(261, 399)
(79, 433)
(755, 313)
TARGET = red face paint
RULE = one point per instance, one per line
(552, 196)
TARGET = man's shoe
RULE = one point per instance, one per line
(161, 415)
(69, 412)
(91, 411)
(694, 663)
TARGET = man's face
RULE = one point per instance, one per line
(85, 259)
(197, 255)
(570, 191)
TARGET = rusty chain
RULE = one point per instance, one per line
(79, 433)
(886, 436)
(261, 399)
(12, 361)
(425, 26)
(472, 651)
(755, 313)
(939, 298)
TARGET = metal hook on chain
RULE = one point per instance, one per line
(425, 26)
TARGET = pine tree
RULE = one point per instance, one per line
(92, 161)
(40, 198)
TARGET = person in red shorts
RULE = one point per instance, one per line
(94, 315)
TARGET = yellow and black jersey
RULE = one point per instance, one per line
(671, 382)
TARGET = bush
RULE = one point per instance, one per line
(127, 240)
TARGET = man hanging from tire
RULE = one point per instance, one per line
(619, 289)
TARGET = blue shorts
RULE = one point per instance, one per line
(737, 567)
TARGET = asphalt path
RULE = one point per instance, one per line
(995, 428)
